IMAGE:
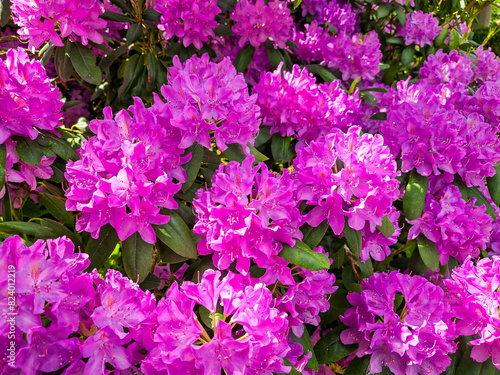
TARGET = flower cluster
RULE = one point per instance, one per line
(29, 101)
(77, 19)
(181, 342)
(487, 68)
(293, 104)
(192, 22)
(416, 338)
(245, 215)
(255, 22)
(458, 228)
(474, 295)
(126, 173)
(440, 129)
(420, 28)
(347, 175)
(205, 97)
(337, 14)
(453, 68)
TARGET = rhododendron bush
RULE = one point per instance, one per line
(248, 187)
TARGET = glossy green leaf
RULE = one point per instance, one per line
(62, 63)
(384, 10)
(395, 40)
(61, 230)
(401, 15)
(133, 70)
(151, 15)
(4, 12)
(468, 366)
(167, 255)
(134, 32)
(84, 62)
(29, 151)
(137, 256)
(113, 16)
(110, 57)
(123, 6)
(312, 236)
(177, 235)
(59, 145)
(302, 256)
(366, 268)
(57, 208)
(151, 282)
(441, 38)
(407, 55)
(305, 341)
(428, 252)
(473, 192)
(3, 160)
(296, 3)
(353, 239)
(415, 193)
(193, 166)
(387, 227)
(244, 58)
(276, 56)
(358, 366)
(454, 39)
(330, 349)
(100, 249)
(493, 186)
(223, 30)
(29, 228)
(282, 148)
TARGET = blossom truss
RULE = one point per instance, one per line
(294, 105)
(204, 98)
(420, 28)
(414, 339)
(347, 175)
(474, 294)
(458, 228)
(127, 172)
(246, 214)
(77, 19)
(192, 22)
(241, 333)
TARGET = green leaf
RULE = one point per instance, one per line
(305, 341)
(113, 16)
(353, 239)
(323, 72)
(134, 32)
(381, 116)
(133, 70)
(234, 152)
(177, 235)
(428, 252)
(366, 268)
(383, 10)
(468, 366)
(4, 12)
(473, 192)
(57, 208)
(276, 56)
(400, 13)
(358, 366)
(395, 40)
(454, 39)
(193, 166)
(292, 45)
(3, 161)
(111, 57)
(59, 145)
(151, 15)
(101, 248)
(387, 227)
(407, 55)
(157, 74)
(137, 257)
(441, 38)
(60, 229)
(29, 151)
(223, 30)
(167, 255)
(282, 148)
(296, 3)
(150, 282)
(84, 62)
(492, 182)
(225, 5)
(264, 136)
(301, 255)
(244, 58)
(414, 198)
(47, 53)
(123, 6)
(30, 229)
(329, 348)
(314, 235)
